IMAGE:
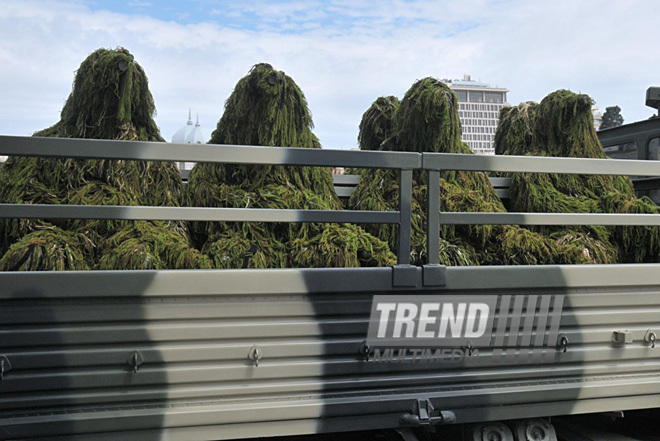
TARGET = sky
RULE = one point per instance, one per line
(343, 54)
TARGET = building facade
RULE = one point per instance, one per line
(478, 108)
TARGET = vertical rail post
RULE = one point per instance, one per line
(434, 274)
(433, 218)
(404, 274)
(405, 221)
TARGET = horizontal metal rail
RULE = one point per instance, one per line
(117, 212)
(458, 218)
(537, 164)
(234, 154)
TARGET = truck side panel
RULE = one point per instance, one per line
(171, 354)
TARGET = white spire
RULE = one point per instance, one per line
(189, 117)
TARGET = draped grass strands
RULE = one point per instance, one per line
(150, 245)
(28, 180)
(377, 124)
(49, 249)
(562, 126)
(427, 121)
(267, 108)
(513, 135)
(110, 100)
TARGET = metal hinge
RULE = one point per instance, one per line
(422, 415)
(621, 338)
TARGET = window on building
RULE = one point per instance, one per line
(494, 97)
(461, 95)
(476, 97)
(622, 151)
(654, 149)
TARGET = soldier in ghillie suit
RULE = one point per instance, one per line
(110, 100)
(427, 121)
(267, 108)
(561, 125)
(377, 124)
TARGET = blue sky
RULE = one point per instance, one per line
(342, 53)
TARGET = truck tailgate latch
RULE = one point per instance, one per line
(5, 366)
(255, 354)
(650, 337)
(135, 361)
(562, 342)
(422, 415)
(365, 351)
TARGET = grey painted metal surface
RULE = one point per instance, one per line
(173, 354)
(548, 219)
(159, 151)
(638, 140)
(36, 211)
(638, 135)
(70, 337)
(453, 161)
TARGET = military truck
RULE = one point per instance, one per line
(489, 353)
(638, 140)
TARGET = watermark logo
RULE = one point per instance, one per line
(450, 328)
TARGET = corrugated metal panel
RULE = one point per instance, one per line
(69, 353)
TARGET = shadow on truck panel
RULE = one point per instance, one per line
(71, 340)
(519, 378)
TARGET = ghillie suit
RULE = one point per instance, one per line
(110, 100)
(427, 121)
(267, 108)
(563, 127)
(515, 128)
(377, 124)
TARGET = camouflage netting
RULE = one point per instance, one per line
(427, 121)
(267, 108)
(562, 126)
(110, 100)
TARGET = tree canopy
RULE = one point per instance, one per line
(611, 118)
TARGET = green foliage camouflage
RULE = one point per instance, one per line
(377, 124)
(110, 100)
(268, 109)
(561, 125)
(515, 128)
(427, 121)
(49, 248)
(150, 245)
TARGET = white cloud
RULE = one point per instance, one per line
(343, 56)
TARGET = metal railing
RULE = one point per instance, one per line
(404, 162)
(434, 163)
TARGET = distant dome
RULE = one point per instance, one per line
(189, 134)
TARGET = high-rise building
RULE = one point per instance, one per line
(478, 108)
